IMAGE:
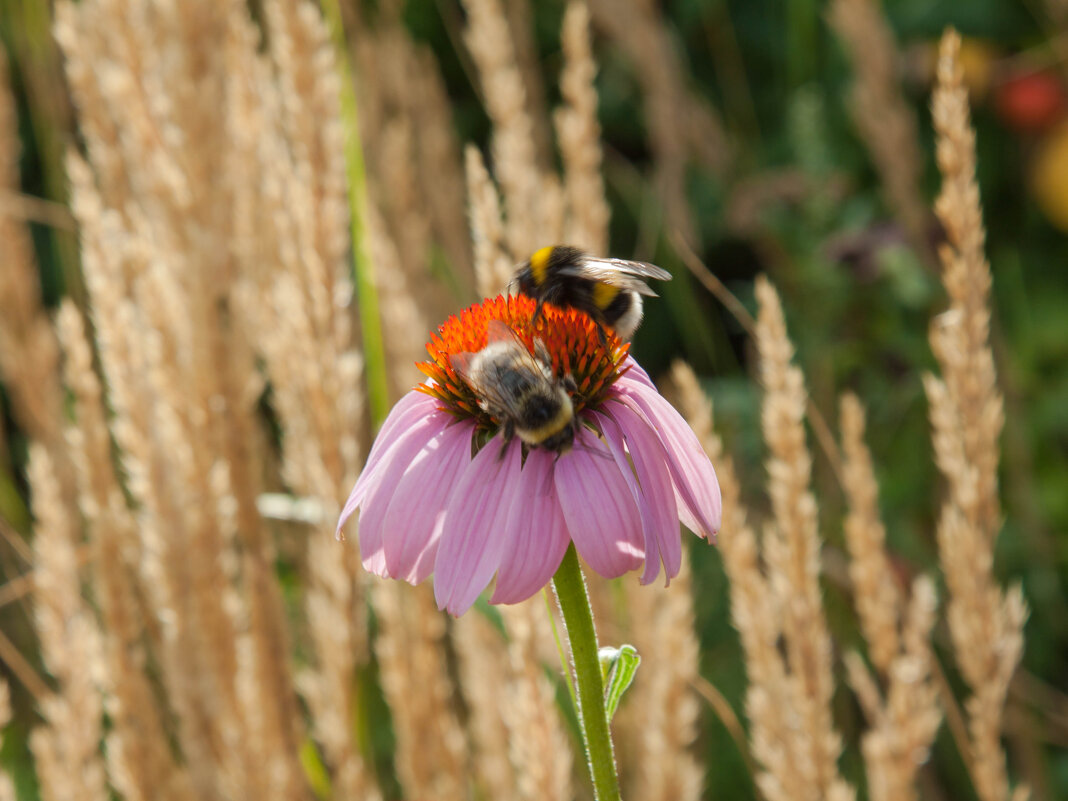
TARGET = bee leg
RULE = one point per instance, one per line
(601, 335)
(569, 384)
(508, 434)
(537, 311)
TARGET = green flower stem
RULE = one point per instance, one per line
(578, 620)
(374, 353)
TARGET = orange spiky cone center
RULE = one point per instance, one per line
(569, 336)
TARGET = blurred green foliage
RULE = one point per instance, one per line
(779, 78)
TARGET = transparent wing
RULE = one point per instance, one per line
(500, 331)
(480, 377)
(461, 363)
(618, 272)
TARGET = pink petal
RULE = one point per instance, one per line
(380, 489)
(694, 478)
(601, 515)
(408, 409)
(636, 373)
(652, 488)
(413, 522)
(537, 530)
(474, 534)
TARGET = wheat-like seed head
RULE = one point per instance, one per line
(880, 112)
(579, 134)
(985, 622)
(410, 650)
(877, 596)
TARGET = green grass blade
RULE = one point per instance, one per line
(374, 353)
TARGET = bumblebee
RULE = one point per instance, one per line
(519, 389)
(608, 290)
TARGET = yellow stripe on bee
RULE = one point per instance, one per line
(539, 263)
(604, 294)
(535, 436)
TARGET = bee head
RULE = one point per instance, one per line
(523, 280)
(547, 420)
(561, 442)
(534, 272)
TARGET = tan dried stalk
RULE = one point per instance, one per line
(140, 762)
(985, 622)
(410, 647)
(169, 273)
(885, 120)
(903, 725)
(411, 152)
(309, 88)
(792, 550)
(521, 748)
(296, 303)
(657, 727)
(134, 364)
(579, 134)
(482, 653)
(877, 596)
(538, 744)
(107, 254)
(335, 599)
(336, 612)
(401, 315)
(681, 126)
(260, 670)
(187, 563)
(493, 265)
(67, 750)
(697, 409)
(756, 616)
(788, 700)
(514, 154)
(520, 16)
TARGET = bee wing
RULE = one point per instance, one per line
(475, 377)
(461, 364)
(500, 331)
(618, 272)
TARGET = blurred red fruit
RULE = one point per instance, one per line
(1031, 102)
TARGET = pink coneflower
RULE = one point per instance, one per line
(442, 494)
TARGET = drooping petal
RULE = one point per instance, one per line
(412, 407)
(473, 534)
(692, 474)
(652, 490)
(537, 533)
(601, 514)
(413, 521)
(635, 372)
(379, 493)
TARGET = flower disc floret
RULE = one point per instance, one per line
(569, 336)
